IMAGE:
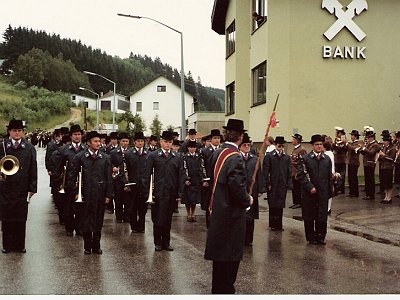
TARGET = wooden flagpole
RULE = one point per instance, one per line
(257, 167)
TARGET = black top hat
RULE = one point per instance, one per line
(123, 135)
(340, 130)
(57, 131)
(398, 134)
(16, 124)
(297, 137)
(386, 137)
(192, 144)
(192, 131)
(176, 143)
(75, 128)
(246, 139)
(385, 132)
(215, 132)
(316, 138)
(64, 130)
(235, 124)
(103, 135)
(369, 134)
(175, 133)
(138, 135)
(280, 140)
(355, 132)
(113, 135)
(92, 134)
(153, 138)
(167, 135)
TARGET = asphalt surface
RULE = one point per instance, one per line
(365, 218)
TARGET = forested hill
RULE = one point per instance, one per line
(57, 64)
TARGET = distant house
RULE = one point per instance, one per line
(107, 103)
(161, 97)
(89, 102)
(204, 121)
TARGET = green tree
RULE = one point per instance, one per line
(156, 126)
(139, 123)
(31, 67)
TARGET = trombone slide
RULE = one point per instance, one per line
(79, 196)
(150, 198)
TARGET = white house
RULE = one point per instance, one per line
(161, 97)
(107, 102)
(89, 102)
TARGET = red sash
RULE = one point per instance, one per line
(222, 157)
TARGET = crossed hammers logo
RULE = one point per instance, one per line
(345, 18)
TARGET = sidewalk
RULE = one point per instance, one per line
(366, 218)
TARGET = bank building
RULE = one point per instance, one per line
(332, 62)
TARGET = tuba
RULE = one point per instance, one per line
(9, 165)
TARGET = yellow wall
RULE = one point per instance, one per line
(317, 94)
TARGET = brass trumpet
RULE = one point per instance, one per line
(9, 165)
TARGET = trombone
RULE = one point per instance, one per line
(9, 165)
(150, 198)
(62, 191)
(79, 196)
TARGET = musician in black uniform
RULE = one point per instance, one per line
(136, 167)
(152, 143)
(168, 185)
(69, 211)
(195, 175)
(121, 194)
(96, 190)
(207, 153)
(16, 189)
(192, 137)
(353, 162)
(113, 142)
(250, 161)
(52, 146)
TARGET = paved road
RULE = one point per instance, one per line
(278, 262)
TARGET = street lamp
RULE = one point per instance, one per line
(95, 74)
(183, 129)
(97, 105)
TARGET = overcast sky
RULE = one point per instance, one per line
(96, 24)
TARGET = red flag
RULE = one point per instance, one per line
(273, 122)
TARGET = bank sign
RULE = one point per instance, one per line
(345, 18)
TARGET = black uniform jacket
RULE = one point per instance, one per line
(96, 186)
(226, 234)
(195, 173)
(312, 172)
(14, 190)
(136, 166)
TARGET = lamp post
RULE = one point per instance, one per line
(95, 74)
(183, 129)
(97, 105)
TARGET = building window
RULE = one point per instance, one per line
(73, 97)
(156, 105)
(161, 88)
(230, 39)
(123, 105)
(105, 105)
(138, 106)
(259, 13)
(230, 98)
(259, 84)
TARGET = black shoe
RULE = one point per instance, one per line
(313, 242)
(387, 201)
(168, 248)
(22, 250)
(87, 252)
(69, 233)
(158, 248)
(97, 251)
(321, 242)
(5, 251)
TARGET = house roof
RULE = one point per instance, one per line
(155, 80)
(218, 16)
(109, 94)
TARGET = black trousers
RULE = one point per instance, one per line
(296, 192)
(121, 199)
(162, 234)
(249, 231)
(315, 230)
(275, 218)
(341, 169)
(71, 213)
(353, 180)
(91, 240)
(13, 235)
(224, 277)
(369, 173)
(138, 212)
